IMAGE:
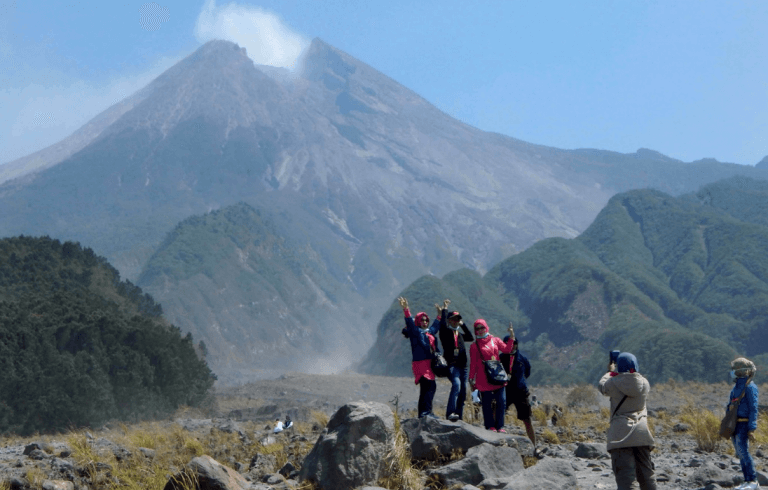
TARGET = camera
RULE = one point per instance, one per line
(614, 355)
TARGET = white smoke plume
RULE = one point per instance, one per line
(263, 34)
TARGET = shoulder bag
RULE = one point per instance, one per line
(439, 364)
(494, 370)
(728, 424)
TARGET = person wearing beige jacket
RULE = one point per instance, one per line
(629, 440)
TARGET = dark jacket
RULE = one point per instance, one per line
(748, 406)
(448, 340)
(420, 347)
(520, 367)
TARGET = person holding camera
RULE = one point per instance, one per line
(423, 346)
(629, 440)
(456, 356)
(742, 371)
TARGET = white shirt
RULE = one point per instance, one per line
(278, 427)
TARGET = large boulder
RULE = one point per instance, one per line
(428, 436)
(591, 450)
(352, 448)
(483, 462)
(548, 473)
(210, 475)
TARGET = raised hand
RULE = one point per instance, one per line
(446, 303)
(403, 302)
(437, 307)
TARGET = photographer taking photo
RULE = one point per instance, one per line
(629, 441)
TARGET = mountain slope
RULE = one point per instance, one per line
(666, 278)
(261, 300)
(391, 187)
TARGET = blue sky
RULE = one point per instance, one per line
(686, 78)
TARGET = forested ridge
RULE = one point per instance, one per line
(78, 346)
(682, 282)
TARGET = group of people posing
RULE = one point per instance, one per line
(629, 440)
(495, 397)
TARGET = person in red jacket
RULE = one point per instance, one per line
(423, 347)
(486, 348)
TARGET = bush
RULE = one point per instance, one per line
(582, 396)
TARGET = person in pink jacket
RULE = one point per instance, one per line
(486, 348)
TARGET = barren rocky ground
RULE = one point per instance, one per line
(229, 430)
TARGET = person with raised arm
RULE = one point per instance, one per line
(517, 393)
(423, 347)
(629, 441)
(456, 357)
(486, 348)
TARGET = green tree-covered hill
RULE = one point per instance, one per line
(78, 346)
(681, 282)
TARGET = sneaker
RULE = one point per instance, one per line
(503, 431)
(432, 416)
(453, 417)
(492, 429)
(751, 485)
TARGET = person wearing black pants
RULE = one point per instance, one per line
(423, 345)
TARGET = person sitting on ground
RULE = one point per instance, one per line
(278, 426)
(456, 357)
(742, 371)
(288, 422)
(518, 368)
(423, 347)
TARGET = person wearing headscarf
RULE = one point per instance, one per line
(423, 347)
(456, 357)
(629, 440)
(485, 348)
(742, 371)
(517, 392)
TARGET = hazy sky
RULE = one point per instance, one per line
(686, 78)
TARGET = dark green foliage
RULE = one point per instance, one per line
(78, 346)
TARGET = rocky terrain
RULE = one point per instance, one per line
(233, 444)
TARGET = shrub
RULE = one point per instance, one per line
(582, 396)
(704, 426)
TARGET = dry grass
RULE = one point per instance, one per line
(704, 427)
(400, 472)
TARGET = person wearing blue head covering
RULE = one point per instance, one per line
(629, 440)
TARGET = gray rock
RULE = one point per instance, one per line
(58, 485)
(427, 436)
(37, 454)
(273, 479)
(287, 469)
(18, 483)
(547, 473)
(710, 473)
(483, 462)
(147, 452)
(210, 475)
(31, 447)
(351, 450)
(591, 450)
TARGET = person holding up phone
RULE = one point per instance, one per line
(629, 440)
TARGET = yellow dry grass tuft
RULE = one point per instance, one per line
(704, 426)
(400, 473)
